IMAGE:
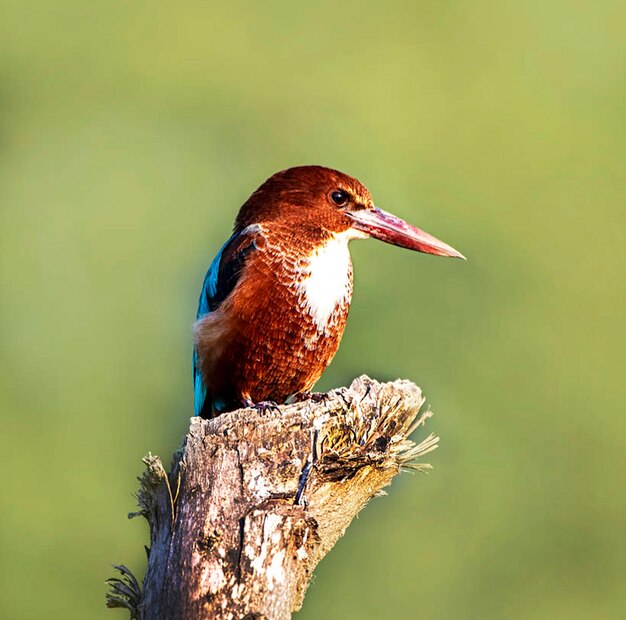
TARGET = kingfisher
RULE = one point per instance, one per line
(275, 300)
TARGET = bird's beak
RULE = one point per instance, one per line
(391, 229)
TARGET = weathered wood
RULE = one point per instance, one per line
(256, 499)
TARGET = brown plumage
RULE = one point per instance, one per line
(276, 299)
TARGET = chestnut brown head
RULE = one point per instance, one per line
(319, 201)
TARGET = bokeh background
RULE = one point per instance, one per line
(131, 132)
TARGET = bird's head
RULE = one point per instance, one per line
(319, 203)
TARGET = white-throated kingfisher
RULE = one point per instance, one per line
(276, 297)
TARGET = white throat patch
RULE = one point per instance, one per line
(327, 281)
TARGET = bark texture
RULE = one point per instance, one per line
(255, 500)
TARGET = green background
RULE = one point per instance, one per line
(131, 132)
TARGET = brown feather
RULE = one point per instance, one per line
(265, 341)
(262, 343)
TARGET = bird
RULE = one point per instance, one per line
(275, 299)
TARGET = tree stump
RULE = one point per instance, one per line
(255, 499)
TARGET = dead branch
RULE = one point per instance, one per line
(255, 500)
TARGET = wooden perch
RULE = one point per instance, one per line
(256, 499)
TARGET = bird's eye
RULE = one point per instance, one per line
(340, 198)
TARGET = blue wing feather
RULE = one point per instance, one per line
(209, 287)
(199, 389)
(219, 281)
(208, 293)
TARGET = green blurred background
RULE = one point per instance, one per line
(131, 132)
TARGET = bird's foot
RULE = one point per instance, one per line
(264, 405)
(314, 397)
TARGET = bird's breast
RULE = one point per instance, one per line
(323, 284)
(281, 325)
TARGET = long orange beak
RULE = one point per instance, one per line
(391, 229)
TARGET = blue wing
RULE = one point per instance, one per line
(219, 281)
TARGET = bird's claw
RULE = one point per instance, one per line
(264, 405)
(314, 397)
